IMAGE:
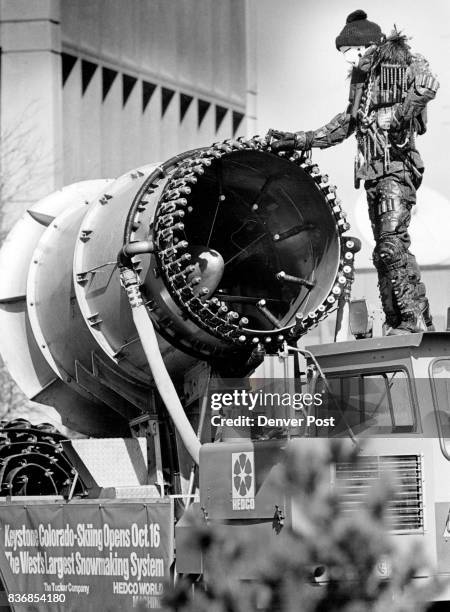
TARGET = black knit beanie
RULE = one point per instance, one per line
(359, 32)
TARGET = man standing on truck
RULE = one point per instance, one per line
(389, 90)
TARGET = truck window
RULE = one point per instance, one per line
(371, 404)
(440, 382)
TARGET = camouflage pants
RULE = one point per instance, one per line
(390, 199)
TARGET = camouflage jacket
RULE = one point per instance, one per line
(388, 95)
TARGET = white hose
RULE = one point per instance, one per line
(163, 381)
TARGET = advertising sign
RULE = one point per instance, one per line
(86, 556)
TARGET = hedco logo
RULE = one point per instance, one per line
(243, 479)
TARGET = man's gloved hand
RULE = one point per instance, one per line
(285, 141)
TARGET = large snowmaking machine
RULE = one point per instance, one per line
(123, 303)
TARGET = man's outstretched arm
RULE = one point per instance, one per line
(334, 132)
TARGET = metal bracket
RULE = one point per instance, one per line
(85, 235)
(148, 426)
(278, 519)
(94, 319)
(195, 382)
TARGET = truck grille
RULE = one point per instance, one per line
(405, 511)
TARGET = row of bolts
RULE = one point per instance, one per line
(177, 269)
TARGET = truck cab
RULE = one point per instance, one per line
(390, 395)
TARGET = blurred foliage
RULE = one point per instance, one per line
(24, 168)
(328, 561)
(13, 403)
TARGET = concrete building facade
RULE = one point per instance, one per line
(92, 88)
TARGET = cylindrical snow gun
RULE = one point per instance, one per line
(235, 250)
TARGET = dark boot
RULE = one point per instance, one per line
(425, 307)
(411, 325)
(419, 292)
(412, 304)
